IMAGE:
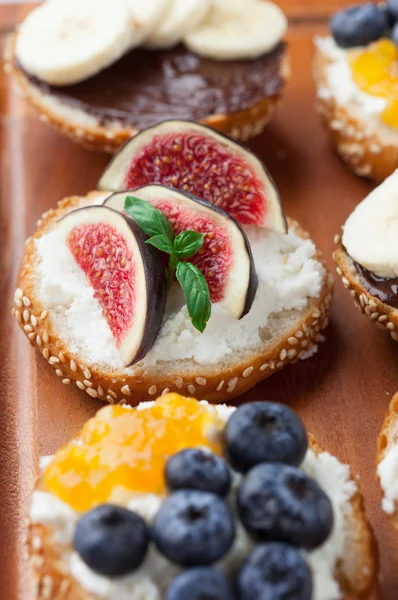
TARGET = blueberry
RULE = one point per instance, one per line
(198, 470)
(264, 432)
(359, 25)
(111, 540)
(193, 528)
(200, 583)
(392, 7)
(275, 571)
(281, 503)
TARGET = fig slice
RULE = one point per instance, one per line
(127, 275)
(196, 159)
(225, 258)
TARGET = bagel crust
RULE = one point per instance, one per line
(363, 146)
(108, 137)
(356, 573)
(213, 384)
(384, 316)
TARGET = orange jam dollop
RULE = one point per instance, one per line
(125, 450)
(375, 71)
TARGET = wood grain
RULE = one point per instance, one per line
(342, 393)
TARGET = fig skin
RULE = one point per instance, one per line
(155, 283)
(273, 201)
(252, 284)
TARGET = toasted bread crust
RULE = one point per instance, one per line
(365, 150)
(116, 386)
(241, 125)
(388, 438)
(357, 573)
(384, 316)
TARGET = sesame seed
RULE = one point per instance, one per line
(73, 366)
(394, 336)
(87, 373)
(165, 391)
(126, 390)
(264, 366)
(220, 385)
(201, 381)
(191, 389)
(46, 353)
(372, 303)
(365, 299)
(38, 340)
(18, 316)
(26, 301)
(304, 343)
(337, 239)
(61, 357)
(374, 316)
(247, 372)
(80, 385)
(179, 382)
(316, 314)
(43, 315)
(338, 271)
(33, 320)
(232, 384)
(282, 354)
(28, 328)
(291, 353)
(66, 381)
(152, 390)
(18, 293)
(100, 391)
(59, 372)
(53, 360)
(390, 326)
(345, 281)
(383, 318)
(19, 303)
(92, 393)
(110, 399)
(36, 543)
(46, 337)
(279, 364)
(112, 393)
(47, 585)
(272, 365)
(25, 315)
(32, 336)
(292, 341)
(87, 383)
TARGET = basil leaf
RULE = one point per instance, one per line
(196, 292)
(173, 261)
(151, 220)
(162, 243)
(187, 243)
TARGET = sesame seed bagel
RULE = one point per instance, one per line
(387, 440)
(108, 136)
(356, 573)
(384, 316)
(293, 334)
(367, 146)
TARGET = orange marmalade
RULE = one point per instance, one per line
(375, 71)
(126, 450)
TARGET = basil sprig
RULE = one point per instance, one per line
(161, 235)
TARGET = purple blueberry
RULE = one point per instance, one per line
(200, 583)
(359, 25)
(198, 469)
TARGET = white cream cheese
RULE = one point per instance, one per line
(388, 474)
(341, 85)
(288, 274)
(371, 231)
(151, 580)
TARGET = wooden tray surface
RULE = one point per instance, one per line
(342, 393)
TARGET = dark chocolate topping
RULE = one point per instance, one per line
(145, 87)
(385, 290)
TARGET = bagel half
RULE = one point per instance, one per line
(293, 334)
(384, 316)
(387, 441)
(90, 132)
(355, 572)
(365, 143)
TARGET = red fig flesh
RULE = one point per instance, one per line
(196, 159)
(127, 276)
(225, 258)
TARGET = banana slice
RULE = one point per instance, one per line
(147, 15)
(238, 29)
(66, 41)
(371, 231)
(182, 17)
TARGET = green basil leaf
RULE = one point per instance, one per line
(196, 292)
(187, 243)
(151, 220)
(173, 261)
(162, 243)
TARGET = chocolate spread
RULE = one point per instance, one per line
(146, 87)
(385, 290)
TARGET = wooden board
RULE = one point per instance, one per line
(342, 393)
